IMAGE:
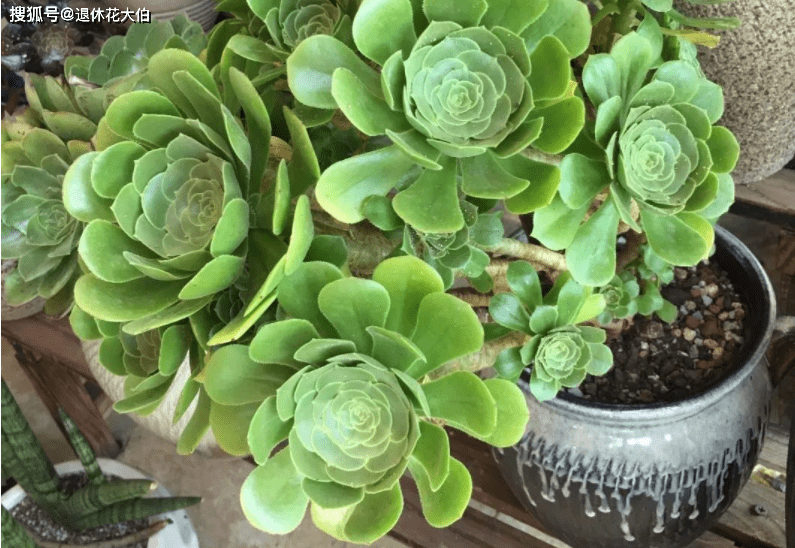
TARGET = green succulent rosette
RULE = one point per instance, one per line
(458, 98)
(560, 351)
(620, 298)
(126, 57)
(656, 152)
(38, 232)
(343, 380)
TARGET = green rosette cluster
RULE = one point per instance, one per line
(454, 90)
(620, 297)
(38, 232)
(165, 205)
(343, 380)
(656, 153)
(560, 351)
(126, 57)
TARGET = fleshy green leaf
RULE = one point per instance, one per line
(277, 342)
(232, 378)
(591, 258)
(352, 305)
(230, 425)
(463, 401)
(447, 328)
(432, 452)
(447, 504)
(365, 522)
(272, 497)
(431, 204)
(122, 302)
(266, 431)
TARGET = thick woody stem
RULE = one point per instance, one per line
(367, 246)
(541, 256)
(543, 157)
(484, 358)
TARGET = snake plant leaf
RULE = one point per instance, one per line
(432, 453)
(344, 186)
(232, 378)
(408, 281)
(464, 402)
(266, 430)
(364, 522)
(272, 497)
(431, 203)
(352, 305)
(445, 505)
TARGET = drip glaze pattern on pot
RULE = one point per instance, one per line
(656, 475)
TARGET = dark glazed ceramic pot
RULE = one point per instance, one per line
(654, 475)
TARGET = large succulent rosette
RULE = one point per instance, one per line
(38, 232)
(559, 349)
(664, 166)
(456, 94)
(343, 380)
(165, 205)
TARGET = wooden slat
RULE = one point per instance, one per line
(51, 338)
(711, 540)
(60, 387)
(772, 199)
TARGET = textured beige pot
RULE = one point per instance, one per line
(10, 312)
(755, 64)
(159, 422)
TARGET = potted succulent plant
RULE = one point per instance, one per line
(83, 508)
(299, 233)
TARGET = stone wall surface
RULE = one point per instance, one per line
(755, 64)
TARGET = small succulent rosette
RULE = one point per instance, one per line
(455, 91)
(657, 159)
(38, 232)
(343, 381)
(560, 350)
(126, 56)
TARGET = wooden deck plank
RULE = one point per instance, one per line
(772, 199)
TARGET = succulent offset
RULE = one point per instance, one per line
(657, 154)
(456, 95)
(559, 350)
(38, 232)
(342, 379)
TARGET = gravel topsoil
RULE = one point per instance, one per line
(35, 520)
(659, 362)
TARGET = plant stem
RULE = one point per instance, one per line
(543, 157)
(485, 357)
(475, 300)
(535, 254)
(622, 24)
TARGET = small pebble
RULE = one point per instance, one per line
(712, 290)
(730, 326)
(693, 352)
(723, 315)
(710, 343)
(697, 315)
(706, 299)
(688, 334)
(676, 332)
(695, 292)
(717, 352)
(690, 305)
(692, 322)
(680, 273)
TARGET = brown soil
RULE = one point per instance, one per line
(658, 362)
(35, 520)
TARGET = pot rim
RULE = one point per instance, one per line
(179, 534)
(571, 405)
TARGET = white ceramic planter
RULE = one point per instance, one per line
(160, 421)
(178, 534)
